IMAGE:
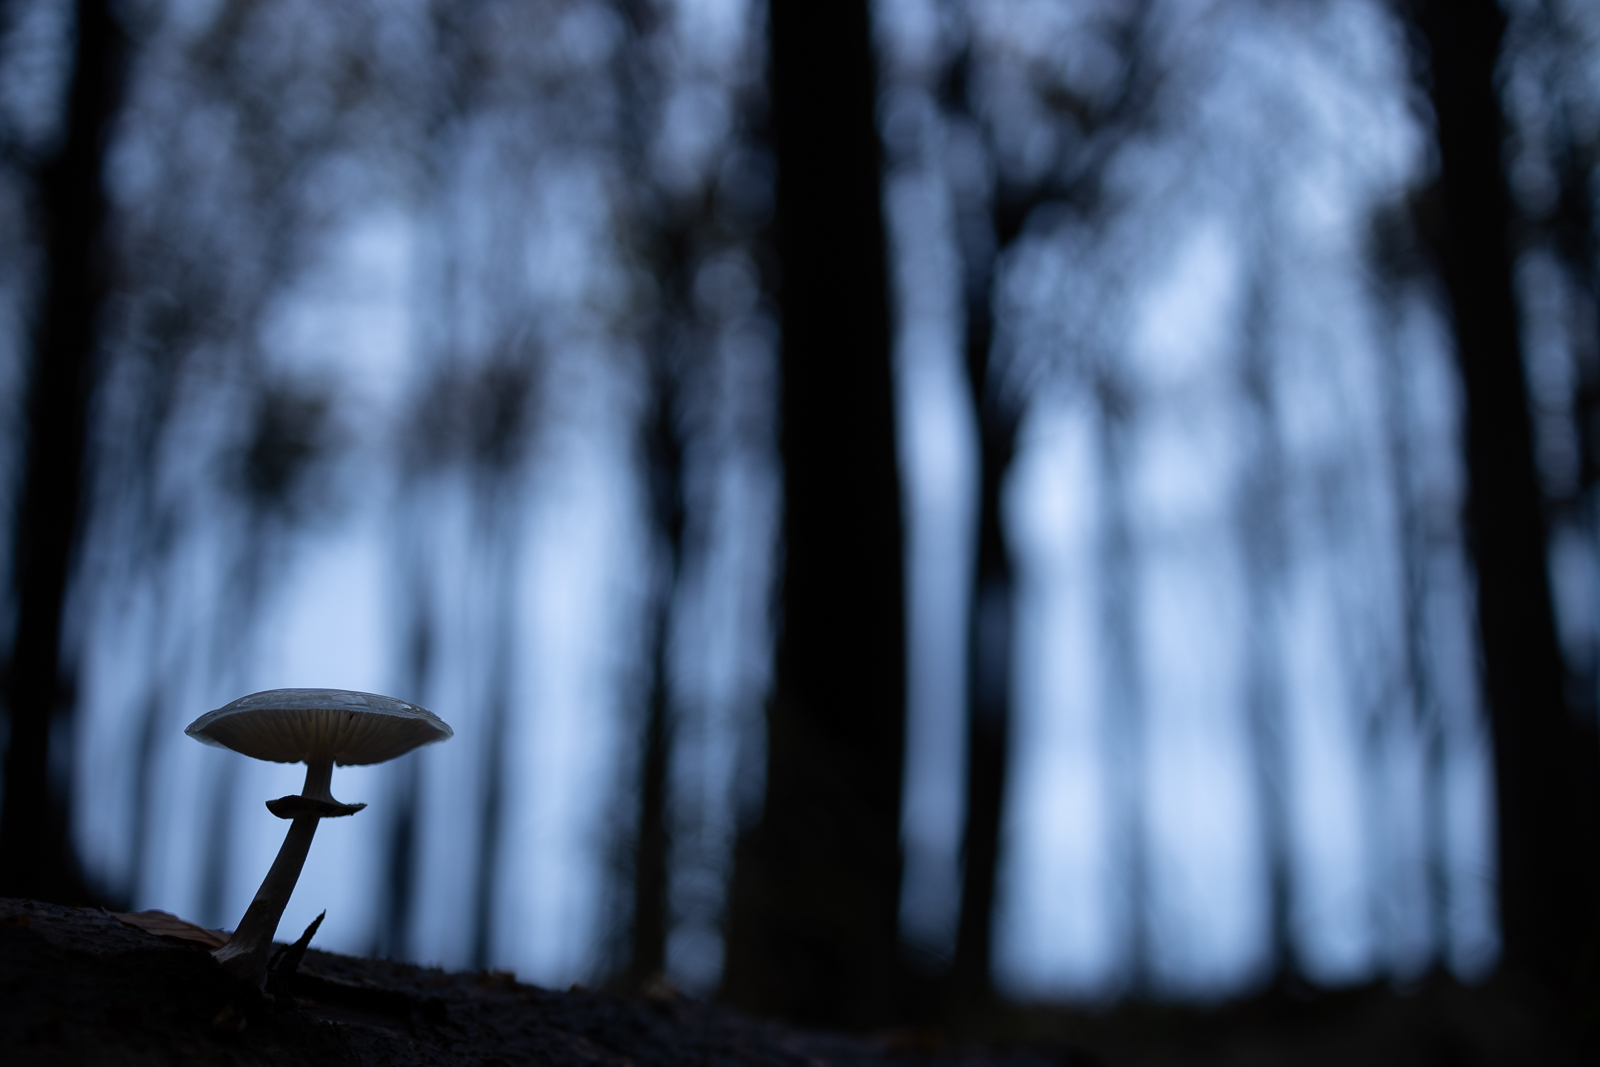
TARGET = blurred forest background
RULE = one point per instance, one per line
(1051, 499)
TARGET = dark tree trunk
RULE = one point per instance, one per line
(988, 724)
(987, 231)
(992, 608)
(397, 894)
(493, 810)
(1545, 763)
(813, 927)
(648, 935)
(986, 234)
(670, 231)
(36, 858)
(664, 445)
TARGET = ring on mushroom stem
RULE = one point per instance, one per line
(317, 727)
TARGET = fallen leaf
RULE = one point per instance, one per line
(165, 924)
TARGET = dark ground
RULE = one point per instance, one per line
(77, 986)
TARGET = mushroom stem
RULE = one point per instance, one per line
(319, 779)
(245, 954)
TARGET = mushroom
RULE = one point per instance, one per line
(317, 727)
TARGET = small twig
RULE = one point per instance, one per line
(286, 960)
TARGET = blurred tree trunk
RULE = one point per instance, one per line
(36, 857)
(989, 656)
(1266, 562)
(992, 606)
(990, 227)
(1546, 764)
(813, 931)
(647, 950)
(1571, 229)
(664, 238)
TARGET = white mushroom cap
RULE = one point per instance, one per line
(317, 725)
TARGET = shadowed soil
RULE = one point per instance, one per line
(78, 986)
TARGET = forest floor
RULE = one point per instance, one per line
(81, 986)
